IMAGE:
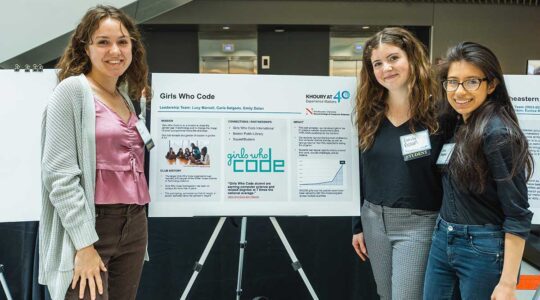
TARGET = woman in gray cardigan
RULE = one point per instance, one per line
(93, 230)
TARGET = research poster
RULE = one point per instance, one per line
(525, 94)
(253, 145)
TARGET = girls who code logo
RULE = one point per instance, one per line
(242, 161)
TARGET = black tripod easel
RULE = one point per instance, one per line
(199, 264)
(4, 283)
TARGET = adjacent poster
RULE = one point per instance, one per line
(525, 94)
(248, 145)
(24, 96)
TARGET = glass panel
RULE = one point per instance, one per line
(343, 68)
(228, 53)
(350, 47)
(243, 66)
(214, 66)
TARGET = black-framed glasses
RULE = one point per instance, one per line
(471, 85)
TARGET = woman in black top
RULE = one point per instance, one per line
(400, 141)
(484, 221)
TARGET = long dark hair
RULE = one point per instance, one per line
(468, 165)
(75, 61)
(371, 103)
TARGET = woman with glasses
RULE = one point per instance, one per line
(484, 220)
(93, 228)
(400, 140)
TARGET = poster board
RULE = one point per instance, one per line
(279, 145)
(524, 91)
(24, 96)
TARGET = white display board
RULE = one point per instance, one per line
(278, 145)
(525, 93)
(24, 96)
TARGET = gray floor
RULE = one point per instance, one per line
(527, 269)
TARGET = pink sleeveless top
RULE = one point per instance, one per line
(119, 159)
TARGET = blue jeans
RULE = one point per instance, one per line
(466, 256)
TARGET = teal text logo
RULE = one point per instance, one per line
(255, 162)
(342, 95)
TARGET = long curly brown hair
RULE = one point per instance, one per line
(371, 97)
(75, 61)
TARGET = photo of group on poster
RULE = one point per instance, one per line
(192, 154)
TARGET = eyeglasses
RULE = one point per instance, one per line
(451, 85)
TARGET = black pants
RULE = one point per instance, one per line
(123, 236)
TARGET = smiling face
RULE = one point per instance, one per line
(110, 49)
(465, 101)
(390, 66)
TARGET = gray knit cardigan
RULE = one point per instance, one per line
(68, 172)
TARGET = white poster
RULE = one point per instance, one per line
(296, 124)
(248, 145)
(525, 93)
(24, 96)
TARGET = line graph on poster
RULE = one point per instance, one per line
(321, 172)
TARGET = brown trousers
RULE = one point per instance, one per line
(123, 236)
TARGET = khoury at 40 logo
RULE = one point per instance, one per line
(328, 98)
(342, 95)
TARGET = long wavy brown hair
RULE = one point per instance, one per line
(371, 105)
(75, 61)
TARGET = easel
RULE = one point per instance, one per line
(4, 283)
(199, 264)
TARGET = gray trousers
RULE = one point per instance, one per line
(398, 242)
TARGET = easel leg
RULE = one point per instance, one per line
(243, 244)
(198, 265)
(4, 283)
(295, 263)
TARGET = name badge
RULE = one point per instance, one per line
(415, 145)
(145, 135)
(446, 153)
